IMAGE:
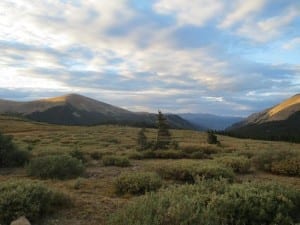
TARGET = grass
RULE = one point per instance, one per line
(93, 197)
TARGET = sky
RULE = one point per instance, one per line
(225, 57)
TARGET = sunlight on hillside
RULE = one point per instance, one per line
(292, 101)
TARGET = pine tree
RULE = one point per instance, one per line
(212, 138)
(142, 140)
(163, 138)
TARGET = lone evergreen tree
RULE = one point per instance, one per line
(163, 138)
(212, 138)
(142, 140)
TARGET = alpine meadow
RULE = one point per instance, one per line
(136, 112)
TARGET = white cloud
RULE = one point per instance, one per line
(265, 30)
(193, 12)
(295, 42)
(241, 11)
(14, 79)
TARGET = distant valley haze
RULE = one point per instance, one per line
(224, 58)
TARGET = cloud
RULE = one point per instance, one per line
(197, 56)
(193, 12)
(241, 11)
(270, 28)
(295, 42)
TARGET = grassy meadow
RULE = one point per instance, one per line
(93, 195)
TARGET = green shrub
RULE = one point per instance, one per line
(264, 159)
(77, 154)
(55, 167)
(10, 155)
(238, 164)
(246, 153)
(168, 154)
(30, 199)
(205, 149)
(113, 160)
(137, 183)
(290, 167)
(135, 155)
(199, 155)
(96, 155)
(213, 203)
(190, 172)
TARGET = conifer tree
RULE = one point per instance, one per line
(163, 138)
(142, 140)
(212, 138)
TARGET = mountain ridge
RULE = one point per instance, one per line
(280, 122)
(75, 109)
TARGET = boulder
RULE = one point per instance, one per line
(21, 221)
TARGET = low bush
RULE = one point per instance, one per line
(135, 155)
(30, 199)
(189, 172)
(246, 153)
(199, 155)
(205, 149)
(55, 167)
(77, 154)
(238, 164)
(10, 155)
(214, 203)
(264, 159)
(137, 183)
(290, 167)
(113, 160)
(96, 155)
(168, 154)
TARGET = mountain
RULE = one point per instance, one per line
(209, 121)
(74, 109)
(281, 122)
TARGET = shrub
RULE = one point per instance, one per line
(10, 155)
(137, 183)
(55, 166)
(246, 153)
(264, 159)
(163, 154)
(190, 172)
(168, 154)
(213, 203)
(136, 155)
(77, 154)
(205, 149)
(290, 167)
(198, 155)
(238, 164)
(30, 199)
(113, 160)
(96, 155)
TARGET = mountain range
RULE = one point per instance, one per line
(206, 121)
(74, 109)
(281, 122)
